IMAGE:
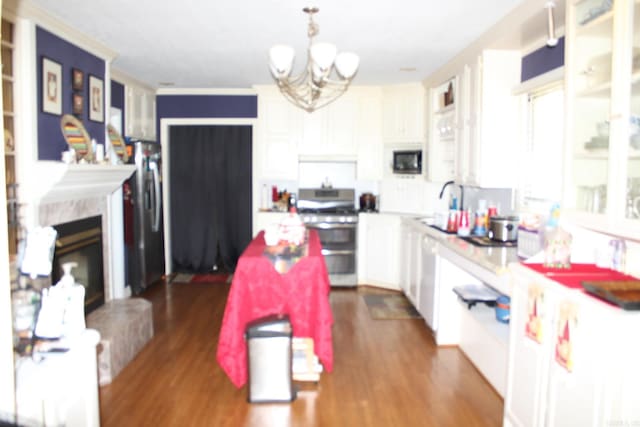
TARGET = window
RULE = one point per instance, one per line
(542, 154)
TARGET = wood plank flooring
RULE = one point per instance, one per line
(386, 373)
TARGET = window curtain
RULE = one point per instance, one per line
(210, 184)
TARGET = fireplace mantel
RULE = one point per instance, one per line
(57, 181)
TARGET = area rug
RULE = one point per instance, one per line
(390, 306)
(202, 278)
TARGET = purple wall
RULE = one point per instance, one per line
(51, 142)
(542, 60)
(205, 106)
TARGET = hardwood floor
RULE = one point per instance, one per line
(386, 373)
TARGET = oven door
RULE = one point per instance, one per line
(339, 250)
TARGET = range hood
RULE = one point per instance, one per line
(55, 181)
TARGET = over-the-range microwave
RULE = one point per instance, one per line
(407, 161)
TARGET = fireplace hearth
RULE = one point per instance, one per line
(80, 241)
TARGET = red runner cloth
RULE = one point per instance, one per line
(258, 290)
(574, 276)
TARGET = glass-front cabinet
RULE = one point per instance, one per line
(602, 83)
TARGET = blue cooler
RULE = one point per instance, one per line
(503, 308)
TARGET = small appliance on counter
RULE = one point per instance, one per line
(368, 203)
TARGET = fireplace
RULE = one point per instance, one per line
(80, 241)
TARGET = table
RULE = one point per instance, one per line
(258, 290)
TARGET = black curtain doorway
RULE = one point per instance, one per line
(210, 183)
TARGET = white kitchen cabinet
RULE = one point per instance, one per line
(602, 127)
(442, 157)
(139, 109)
(571, 359)
(278, 131)
(331, 131)
(369, 135)
(378, 250)
(429, 281)
(404, 113)
(474, 140)
(411, 261)
(488, 143)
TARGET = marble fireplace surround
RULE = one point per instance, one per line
(71, 192)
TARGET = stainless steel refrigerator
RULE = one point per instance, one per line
(144, 240)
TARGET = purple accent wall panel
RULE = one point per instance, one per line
(50, 140)
(542, 60)
(117, 95)
(206, 106)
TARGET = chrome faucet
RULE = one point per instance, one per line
(446, 184)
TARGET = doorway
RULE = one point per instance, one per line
(210, 188)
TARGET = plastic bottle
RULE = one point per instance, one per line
(557, 242)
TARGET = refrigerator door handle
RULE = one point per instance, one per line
(156, 196)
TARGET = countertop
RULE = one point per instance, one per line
(487, 263)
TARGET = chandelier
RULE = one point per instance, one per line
(315, 87)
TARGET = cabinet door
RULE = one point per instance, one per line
(369, 138)
(404, 113)
(428, 295)
(603, 125)
(383, 239)
(530, 343)
(278, 131)
(342, 119)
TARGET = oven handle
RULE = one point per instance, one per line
(331, 225)
(340, 252)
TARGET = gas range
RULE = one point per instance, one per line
(331, 212)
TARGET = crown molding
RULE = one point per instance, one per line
(204, 91)
(27, 10)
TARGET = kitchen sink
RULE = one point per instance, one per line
(444, 230)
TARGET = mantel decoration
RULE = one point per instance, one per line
(77, 137)
(117, 143)
(314, 87)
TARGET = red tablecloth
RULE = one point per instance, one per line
(259, 290)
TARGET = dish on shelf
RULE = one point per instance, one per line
(8, 141)
(77, 137)
(119, 147)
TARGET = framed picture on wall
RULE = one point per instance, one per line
(77, 79)
(51, 86)
(96, 99)
(78, 104)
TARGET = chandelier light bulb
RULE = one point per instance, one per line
(323, 55)
(281, 60)
(347, 64)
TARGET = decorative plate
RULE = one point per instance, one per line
(118, 144)
(77, 137)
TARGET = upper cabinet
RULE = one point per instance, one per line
(474, 132)
(602, 84)
(139, 109)
(331, 130)
(441, 159)
(277, 133)
(403, 118)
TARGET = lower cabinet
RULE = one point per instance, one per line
(411, 262)
(573, 360)
(378, 246)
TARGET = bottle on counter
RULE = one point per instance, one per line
(557, 242)
(464, 228)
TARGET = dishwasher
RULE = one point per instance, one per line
(428, 295)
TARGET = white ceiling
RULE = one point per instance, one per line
(215, 44)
